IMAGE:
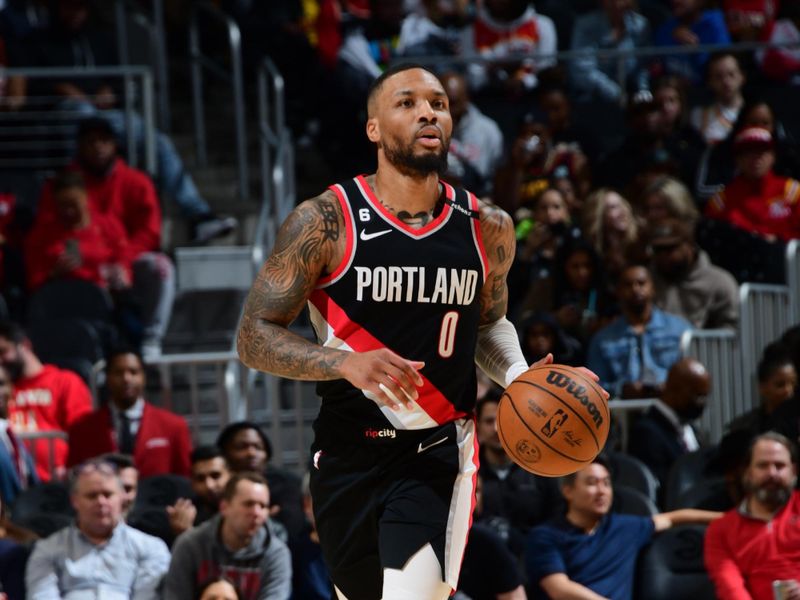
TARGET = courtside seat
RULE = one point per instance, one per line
(629, 471)
(630, 501)
(672, 568)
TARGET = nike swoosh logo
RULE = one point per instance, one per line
(423, 448)
(368, 236)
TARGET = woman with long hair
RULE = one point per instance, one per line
(611, 228)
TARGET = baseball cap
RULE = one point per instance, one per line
(669, 232)
(753, 137)
(95, 125)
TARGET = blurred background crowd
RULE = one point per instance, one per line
(646, 150)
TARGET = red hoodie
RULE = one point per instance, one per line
(126, 193)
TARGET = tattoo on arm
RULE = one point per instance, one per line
(305, 245)
(498, 234)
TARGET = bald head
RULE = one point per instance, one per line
(688, 383)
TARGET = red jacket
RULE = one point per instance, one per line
(126, 193)
(101, 243)
(744, 555)
(769, 207)
(163, 444)
(50, 401)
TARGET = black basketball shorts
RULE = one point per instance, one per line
(377, 503)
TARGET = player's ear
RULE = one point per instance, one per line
(373, 130)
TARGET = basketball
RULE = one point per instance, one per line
(553, 420)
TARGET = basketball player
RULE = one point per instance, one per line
(405, 280)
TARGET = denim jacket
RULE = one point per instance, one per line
(614, 352)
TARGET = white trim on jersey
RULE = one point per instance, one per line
(411, 234)
(349, 231)
(404, 418)
(474, 225)
(462, 502)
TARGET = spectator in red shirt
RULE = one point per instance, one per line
(758, 200)
(158, 439)
(758, 543)
(128, 194)
(76, 243)
(45, 398)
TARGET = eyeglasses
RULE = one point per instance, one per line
(94, 466)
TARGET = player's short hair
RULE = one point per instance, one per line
(377, 84)
(600, 459)
(226, 436)
(774, 356)
(67, 180)
(230, 488)
(13, 332)
(206, 452)
(772, 436)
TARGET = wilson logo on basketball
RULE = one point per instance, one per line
(577, 391)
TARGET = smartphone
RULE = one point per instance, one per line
(71, 248)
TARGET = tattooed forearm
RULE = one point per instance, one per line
(273, 348)
(306, 245)
(498, 235)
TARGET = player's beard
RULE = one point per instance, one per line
(416, 165)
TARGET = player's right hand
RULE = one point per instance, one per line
(391, 378)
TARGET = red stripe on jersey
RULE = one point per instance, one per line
(349, 236)
(376, 204)
(476, 231)
(430, 400)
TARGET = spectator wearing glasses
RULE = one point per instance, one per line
(98, 555)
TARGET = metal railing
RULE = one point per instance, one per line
(55, 119)
(764, 317)
(224, 386)
(793, 279)
(231, 73)
(128, 13)
(719, 351)
(32, 439)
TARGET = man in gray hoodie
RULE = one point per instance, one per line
(238, 544)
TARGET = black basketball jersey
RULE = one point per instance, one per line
(414, 291)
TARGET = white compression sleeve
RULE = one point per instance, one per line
(498, 352)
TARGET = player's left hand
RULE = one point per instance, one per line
(548, 360)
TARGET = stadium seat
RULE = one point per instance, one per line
(61, 299)
(44, 509)
(688, 470)
(630, 501)
(672, 567)
(711, 494)
(153, 496)
(629, 471)
(68, 343)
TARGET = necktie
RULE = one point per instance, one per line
(125, 436)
